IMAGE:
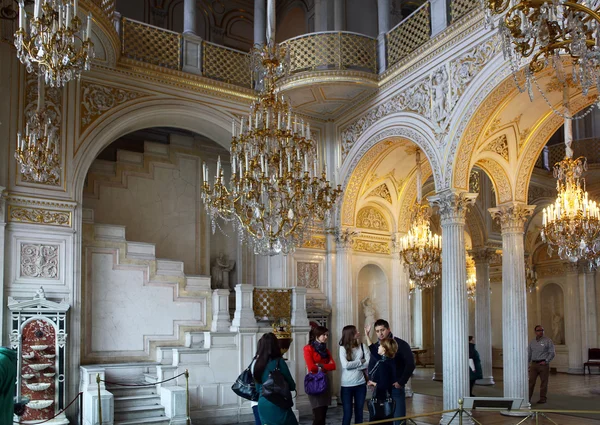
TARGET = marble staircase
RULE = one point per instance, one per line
(138, 406)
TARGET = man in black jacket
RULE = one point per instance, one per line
(405, 364)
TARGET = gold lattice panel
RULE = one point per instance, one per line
(107, 6)
(358, 51)
(151, 45)
(272, 304)
(409, 35)
(223, 64)
(459, 8)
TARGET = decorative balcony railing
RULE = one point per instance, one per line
(107, 6)
(272, 303)
(225, 64)
(459, 8)
(332, 50)
(150, 44)
(409, 34)
(590, 148)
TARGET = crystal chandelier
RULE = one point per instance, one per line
(37, 150)
(471, 278)
(421, 250)
(536, 33)
(53, 41)
(275, 192)
(572, 223)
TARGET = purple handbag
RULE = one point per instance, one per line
(315, 383)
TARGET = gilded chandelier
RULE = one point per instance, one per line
(421, 250)
(572, 223)
(471, 278)
(536, 33)
(275, 192)
(52, 40)
(37, 150)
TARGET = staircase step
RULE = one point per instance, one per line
(153, 421)
(139, 412)
(137, 400)
(132, 391)
(150, 378)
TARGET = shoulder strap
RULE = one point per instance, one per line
(362, 347)
(375, 367)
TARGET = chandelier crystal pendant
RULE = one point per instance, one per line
(53, 40)
(421, 250)
(542, 33)
(572, 224)
(37, 152)
(276, 192)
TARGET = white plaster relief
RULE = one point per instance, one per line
(308, 275)
(39, 261)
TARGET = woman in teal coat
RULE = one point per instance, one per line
(269, 358)
(8, 377)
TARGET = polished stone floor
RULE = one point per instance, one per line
(579, 391)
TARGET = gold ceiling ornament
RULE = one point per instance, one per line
(37, 151)
(471, 278)
(276, 192)
(421, 250)
(54, 40)
(572, 224)
(539, 34)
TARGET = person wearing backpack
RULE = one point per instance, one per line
(318, 359)
(268, 359)
(354, 359)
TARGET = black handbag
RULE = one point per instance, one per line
(277, 390)
(244, 385)
(381, 409)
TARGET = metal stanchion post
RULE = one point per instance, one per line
(99, 399)
(80, 408)
(460, 411)
(187, 396)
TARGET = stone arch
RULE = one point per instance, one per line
(499, 178)
(476, 227)
(148, 112)
(376, 141)
(409, 197)
(373, 281)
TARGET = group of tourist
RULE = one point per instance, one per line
(385, 366)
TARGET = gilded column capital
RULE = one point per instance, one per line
(344, 238)
(483, 255)
(512, 217)
(453, 205)
(396, 246)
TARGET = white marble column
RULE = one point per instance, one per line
(455, 338)
(400, 317)
(417, 315)
(383, 26)
(514, 300)
(438, 345)
(590, 312)
(189, 17)
(344, 309)
(483, 315)
(260, 28)
(573, 320)
(339, 15)
(320, 15)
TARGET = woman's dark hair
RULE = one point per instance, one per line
(348, 340)
(267, 350)
(316, 332)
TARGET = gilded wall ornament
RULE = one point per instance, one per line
(374, 247)
(39, 261)
(39, 216)
(315, 243)
(499, 145)
(307, 275)
(382, 191)
(372, 218)
(512, 218)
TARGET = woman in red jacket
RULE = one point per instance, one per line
(317, 356)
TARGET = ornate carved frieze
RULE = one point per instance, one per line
(39, 261)
(538, 192)
(39, 216)
(499, 145)
(434, 96)
(307, 275)
(382, 191)
(53, 103)
(500, 179)
(315, 242)
(551, 270)
(474, 182)
(374, 247)
(512, 218)
(372, 218)
(97, 99)
(453, 205)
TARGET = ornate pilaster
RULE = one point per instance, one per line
(344, 241)
(590, 337)
(189, 17)
(453, 208)
(483, 315)
(438, 347)
(573, 328)
(512, 218)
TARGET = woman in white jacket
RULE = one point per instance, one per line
(354, 359)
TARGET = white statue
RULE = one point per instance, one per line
(220, 272)
(369, 311)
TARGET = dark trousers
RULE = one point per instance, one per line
(471, 385)
(319, 415)
(356, 394)
(257, 420)
(543, 370)
(399, 398)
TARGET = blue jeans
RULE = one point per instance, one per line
(359, 394)
(400, 399)
(257, 420)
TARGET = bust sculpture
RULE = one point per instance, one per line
(220, 272)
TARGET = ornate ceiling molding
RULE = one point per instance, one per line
(372, 218)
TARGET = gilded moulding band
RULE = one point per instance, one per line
(18, 214)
